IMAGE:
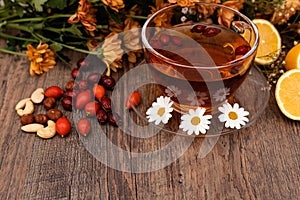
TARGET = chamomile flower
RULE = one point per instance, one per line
(233, 116)
(220, 94)
(195, 121)
(160, 111)
(172, 91)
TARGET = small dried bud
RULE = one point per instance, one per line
(70, 85)
(41, 119)
(27, 119)
(54, 114)
(49, 103)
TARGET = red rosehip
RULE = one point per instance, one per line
(211, 31)
(63, 126)
(54, 91)
(106, 103)
(108, 82)
(84, 126)
(164, 39)
(102, 116)
(76, 73)
(133, 100)
(198, 28)
(242, 50)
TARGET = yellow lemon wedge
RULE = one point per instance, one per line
(287, 94)
(269, 47)
(292, 59)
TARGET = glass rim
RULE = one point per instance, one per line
(231, 63)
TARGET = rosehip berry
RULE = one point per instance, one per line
(70, 85)
(76, 73)
(84, 126)
(133, 100)
(99, 91)
(164, 39)
(242, 50)
(54, 91)
(211, 31)
(106, 103)
(177, 40)
(108, 82)
(156, 44)
(63, 126)
(66, 103)
(93, 78)
(113, 119)
(83, 98)
(198, 28)
(71, 93)
(101, 116)
(83, 64)
(91, 108)
(83, 85)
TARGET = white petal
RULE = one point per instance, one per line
(235, 106)
(157, 121)
(222, 118)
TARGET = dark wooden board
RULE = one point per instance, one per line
(259, 162)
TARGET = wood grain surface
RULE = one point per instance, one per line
(259, 162)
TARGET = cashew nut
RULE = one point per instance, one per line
(21, 104)
(37, 96)
(47, 132)
(29, 109)
(32, 128)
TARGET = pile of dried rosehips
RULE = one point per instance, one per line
(87, 93)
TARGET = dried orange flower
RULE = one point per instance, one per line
(192, 2)
(226, 16)
(162, 20)
(86, 15)
(42, 59)
(112, 52)
(115, 5)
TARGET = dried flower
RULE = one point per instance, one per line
(42, 59)
(191, 2)
(284, 11)
(86, 15)
(163, 19)
(115, 5)
(131, 39)
(226, 16)
(112, 52)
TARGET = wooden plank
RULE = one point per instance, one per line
(260, 162)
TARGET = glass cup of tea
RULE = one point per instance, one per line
(199, 55)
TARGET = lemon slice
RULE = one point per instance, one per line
(269, 47)
(287, 94)
(292, 59)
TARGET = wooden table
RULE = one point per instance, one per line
(259, 162)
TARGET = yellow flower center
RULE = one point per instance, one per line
(195, 121)
(232, 115)
(161, 111)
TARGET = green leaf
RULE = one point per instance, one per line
(38, 4)
(74, 30)
(19, 11)
(56, 47)
(59, 4)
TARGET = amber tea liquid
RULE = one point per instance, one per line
(188, 63)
